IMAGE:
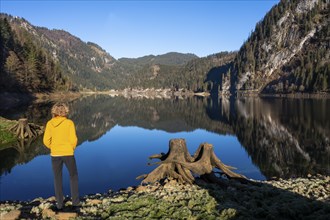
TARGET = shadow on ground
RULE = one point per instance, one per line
(265, 201)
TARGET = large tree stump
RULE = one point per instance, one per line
(25, 130)
(181, 166)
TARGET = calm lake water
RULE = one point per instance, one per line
(262, 138)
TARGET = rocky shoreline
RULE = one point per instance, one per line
(299, 198)
(148, 93)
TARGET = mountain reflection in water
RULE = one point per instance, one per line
(280, 137)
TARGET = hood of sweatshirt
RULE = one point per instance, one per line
(57, 121)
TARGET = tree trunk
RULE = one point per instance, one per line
(180, 165)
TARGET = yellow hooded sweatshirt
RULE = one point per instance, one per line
(60, 136)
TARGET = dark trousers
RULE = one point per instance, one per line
(70, 163)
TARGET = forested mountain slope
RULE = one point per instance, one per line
(26, 66)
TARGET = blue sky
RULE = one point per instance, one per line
(138, 28)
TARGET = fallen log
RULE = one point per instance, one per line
(178, 164)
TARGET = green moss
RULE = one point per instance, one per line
(228, 213)
(5, 135)
(152, 207)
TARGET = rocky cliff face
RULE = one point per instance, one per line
(277, 56)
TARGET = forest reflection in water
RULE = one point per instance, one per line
(282, 137)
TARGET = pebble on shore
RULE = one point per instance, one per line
(300, 198)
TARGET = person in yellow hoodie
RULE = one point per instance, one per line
(60, 137)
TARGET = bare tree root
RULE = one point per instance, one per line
(178, 164)
(25, 130)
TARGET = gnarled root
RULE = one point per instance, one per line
(178, 164)
(25, 130)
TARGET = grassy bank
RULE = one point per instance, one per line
(5, 135)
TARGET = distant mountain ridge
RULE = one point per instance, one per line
(171, 58)
(192, 76)
(87, 65)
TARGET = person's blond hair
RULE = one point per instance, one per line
(60, 109)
